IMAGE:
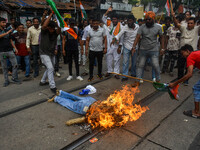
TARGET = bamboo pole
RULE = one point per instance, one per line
(75, 121)
(132, 77)
(172, 10)
(161, 17)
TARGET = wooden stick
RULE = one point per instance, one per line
(132, 77)
(161, 17)
(75, 121)
(172, 10)
(52, 99)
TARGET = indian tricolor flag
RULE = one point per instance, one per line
(61, 23)
(167, 7)
(66, 27)
(83, 12)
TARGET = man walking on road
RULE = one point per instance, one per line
(48, 50)
(95, 38)
(6, 52)
(128, 35)
(147, 36)
(113, 29)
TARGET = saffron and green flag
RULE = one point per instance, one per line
(167, 8)
(83, 12)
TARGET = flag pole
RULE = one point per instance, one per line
(132, 77)
(161, 17)
(75, 6)
(171, 6)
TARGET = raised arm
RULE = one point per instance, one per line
(177, 24)
(44, 26)
(104, 18)
(44, 16)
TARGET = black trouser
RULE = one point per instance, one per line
(170, 58)
(57, 58)
(73, 54)
(181, 63)
(92, 56)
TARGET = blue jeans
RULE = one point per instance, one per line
(154, 56)
(125, 67)
(27, 62)
(153, 71)
(74, 103)
(35, 51)
(196, 92)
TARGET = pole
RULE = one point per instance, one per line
(75, 6)
(132, 77)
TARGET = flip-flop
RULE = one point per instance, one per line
(189, 114)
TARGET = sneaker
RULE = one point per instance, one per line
(6, 84)
(154, 79)
(141, 81)
(79, 78)
(90, 79)
(69, 78)
(135, 84)
(27, 78)
(107, 74)
(36, 75)
(58, 74)
(186, 83)
(43, 83)
(117, 77)
(54, 90)
(100, 76)
(16, 81)
(124, 79)
(84, 74)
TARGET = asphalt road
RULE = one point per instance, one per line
(42, 126)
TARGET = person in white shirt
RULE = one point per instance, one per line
(113, 28)
(32, 43)
(128, 35)
(83, 51)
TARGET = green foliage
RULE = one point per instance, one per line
(133, 2)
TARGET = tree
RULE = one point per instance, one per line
(145, 2)
(133, 2)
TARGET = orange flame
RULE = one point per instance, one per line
(117, 110)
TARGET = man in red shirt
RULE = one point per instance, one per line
(193, 60)
(20, 43)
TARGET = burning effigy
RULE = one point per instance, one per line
(115, 111)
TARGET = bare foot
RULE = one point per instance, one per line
(195, 113)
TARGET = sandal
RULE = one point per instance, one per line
(189, 114)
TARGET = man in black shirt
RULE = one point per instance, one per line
(48, 50)
(6, 52)
(71, 46)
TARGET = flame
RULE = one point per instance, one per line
(116, 110)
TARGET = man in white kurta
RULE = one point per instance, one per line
(113, 28)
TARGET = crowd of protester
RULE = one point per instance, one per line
(148, 42)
